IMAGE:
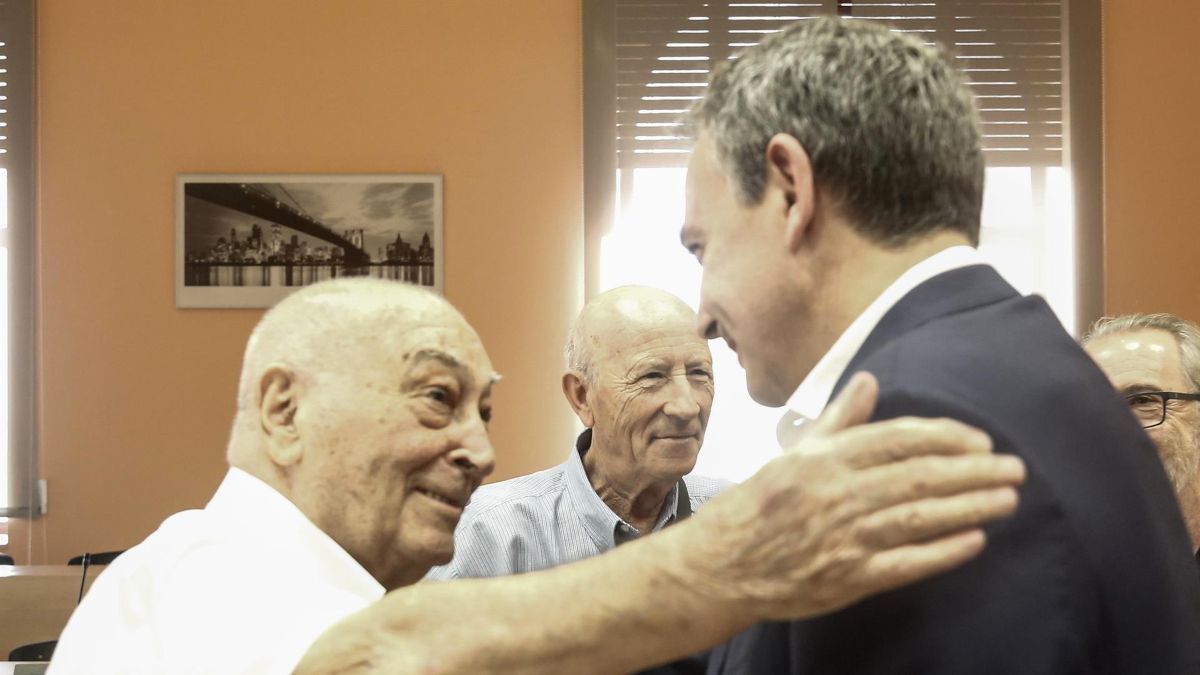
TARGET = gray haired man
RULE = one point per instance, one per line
(348, 475)
(833, 199)
(640, 381)
(1153, 360)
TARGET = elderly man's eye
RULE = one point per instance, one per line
(651, 377)
(440, 395)
(700, 373)
(1144, 401)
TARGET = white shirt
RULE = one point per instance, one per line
(245, 585)
(809, 399)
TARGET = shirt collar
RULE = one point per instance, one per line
(249, 506)
(814, 392)
(597, 519)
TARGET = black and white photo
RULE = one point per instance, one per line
(247, 240)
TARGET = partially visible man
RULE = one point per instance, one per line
(360, 433)
(833, 198)
(1154, 362)
(640, 380)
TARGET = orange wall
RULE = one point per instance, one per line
(136, 395)
(1152, 146)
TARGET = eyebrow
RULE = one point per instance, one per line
(487, 388)
(426, 355)
(441, 357)
(1138, 388)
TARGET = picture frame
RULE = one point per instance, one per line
(249, 240)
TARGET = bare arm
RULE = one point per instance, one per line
(862, 510)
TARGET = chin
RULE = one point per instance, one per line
(670, 467)
(440, 555)
(430, 551)
(765, 392)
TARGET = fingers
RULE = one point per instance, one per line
(852, 406)
(893, 440)
(907, 564)
(928, 519)
(923, 477)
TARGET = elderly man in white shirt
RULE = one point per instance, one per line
(360, 433)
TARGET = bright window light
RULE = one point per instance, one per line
(1027, 235)
(4, 346)
(643, 248)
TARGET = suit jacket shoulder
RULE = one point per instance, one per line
(1091, 575)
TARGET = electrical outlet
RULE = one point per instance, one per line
(43, 497)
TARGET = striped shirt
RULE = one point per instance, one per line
(546, 519)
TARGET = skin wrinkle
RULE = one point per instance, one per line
(639, 388)
(1139, 358)
(388, 435)
(1133, 354)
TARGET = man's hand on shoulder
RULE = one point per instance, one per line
(852, 510)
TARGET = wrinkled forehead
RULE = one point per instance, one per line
(629, 341)
(441, 332)
(1146, 357)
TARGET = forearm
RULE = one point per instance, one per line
(863, 510)
(630, 608)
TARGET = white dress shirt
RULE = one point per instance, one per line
(809, 399)
(245, 585)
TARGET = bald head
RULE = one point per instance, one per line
(306, 328)
(610, 320)
(365, 402)
(640, 377)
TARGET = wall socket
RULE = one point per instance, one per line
(43, 498)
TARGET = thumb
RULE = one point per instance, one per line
(852, 406)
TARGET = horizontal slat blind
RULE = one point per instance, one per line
(18, 494)
(1010, 49)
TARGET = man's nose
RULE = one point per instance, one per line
(706, 326)
(682, 403)
(475, 454)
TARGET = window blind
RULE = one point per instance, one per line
(17, 458)
(1011, 50)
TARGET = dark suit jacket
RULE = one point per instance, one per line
(1094, 572)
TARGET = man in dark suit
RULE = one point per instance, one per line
(834, 198)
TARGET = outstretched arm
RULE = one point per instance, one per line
(859, 510)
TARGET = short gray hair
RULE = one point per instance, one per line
(889, 125)
(577, 352)
(1186, 334)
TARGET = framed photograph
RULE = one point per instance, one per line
(247, 240)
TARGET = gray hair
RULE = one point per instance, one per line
(1186, 335)
(616, 304)
(889, 125)
(577, 353)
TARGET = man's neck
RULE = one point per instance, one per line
(636, 498)
(858, 270)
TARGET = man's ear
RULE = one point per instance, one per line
(278, 402)
(575, 389)
(790, 171)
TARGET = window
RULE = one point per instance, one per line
(17, 395)
(646, 62)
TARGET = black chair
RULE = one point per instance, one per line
(96, 558)
(6, 559)
(37, 651)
